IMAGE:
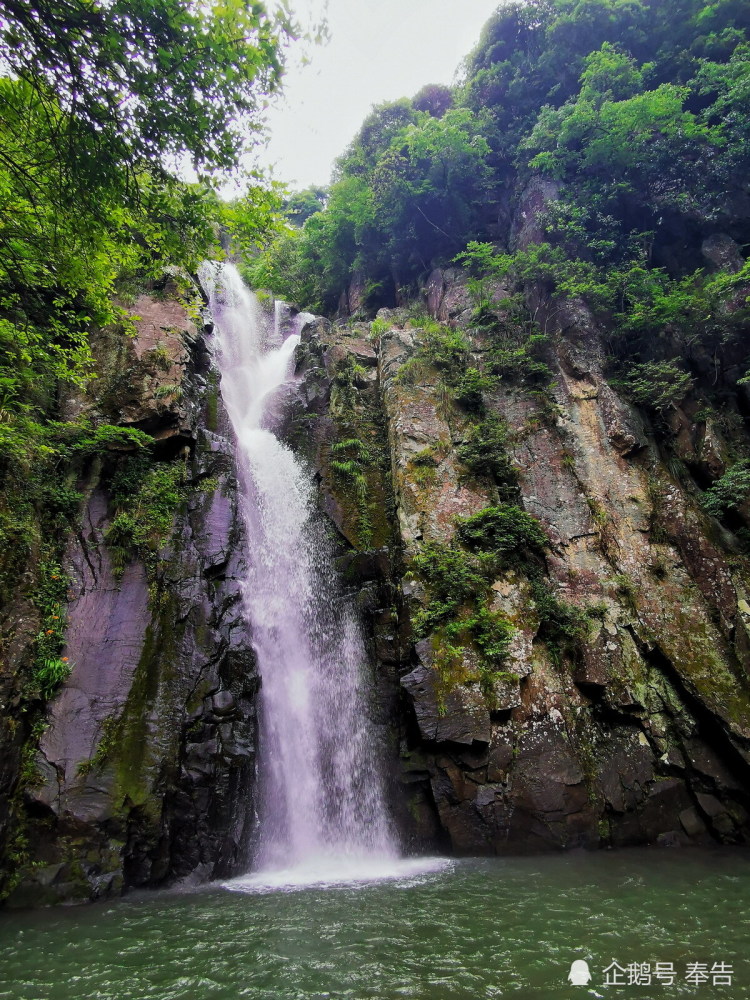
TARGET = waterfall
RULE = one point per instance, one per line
(322, 813)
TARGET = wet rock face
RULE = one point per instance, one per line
(144, 774)
(462, 717)
(636, 731)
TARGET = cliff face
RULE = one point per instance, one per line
(141, 769)
(638, 731)
(618, 710)
(586, 686)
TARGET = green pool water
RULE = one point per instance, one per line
(465, 929)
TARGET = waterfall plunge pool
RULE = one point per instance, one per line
(457, 930)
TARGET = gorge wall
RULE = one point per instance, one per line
(631, 728)
(558, 632)
(140, 769)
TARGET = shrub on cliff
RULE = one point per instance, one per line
(502, 529)
(730, 491)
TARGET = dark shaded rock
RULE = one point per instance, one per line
(448, 297)
(463, 718)
(692, 824)
(723, 253)
(222, 703)
(526, 227)
(500, 759)
(667, 799)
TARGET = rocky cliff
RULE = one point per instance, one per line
(629, 726)
(139, 770)
(586, 686)
(559, 633)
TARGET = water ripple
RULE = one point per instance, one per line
(464, 931)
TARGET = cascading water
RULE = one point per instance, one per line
(322, 815)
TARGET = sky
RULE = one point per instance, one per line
(378, 51)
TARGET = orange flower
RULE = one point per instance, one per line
(65, 659)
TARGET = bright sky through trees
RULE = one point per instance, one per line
(378, 51)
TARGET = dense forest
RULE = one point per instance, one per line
(636, 114)
(637, 109)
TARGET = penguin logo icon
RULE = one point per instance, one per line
(579, 974)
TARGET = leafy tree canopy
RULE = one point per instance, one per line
(639, 109)
(136, 81)
(99, 103)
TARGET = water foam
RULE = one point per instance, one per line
(332, 872)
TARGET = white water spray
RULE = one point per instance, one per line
(322, 815)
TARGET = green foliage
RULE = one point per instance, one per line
(516, 343)
(426, 186)
(168, 391)
(626, 590)
(447, 349)
(416, 370)
(484, 454)
(140, 82)
(458, 617)
(109, 437)
(425, 463)
(283, 269)
(352, 458)
(349, 372)
(38, 499)
(426, 458)
(490, 632)
(521, 364)
(435, 99)
(458, 580)
(483, 270)
(61, 257)
(378, 327)
(95, 100)
(109, 736)
(469, 389)
(411, 187)
(452, 579)
(652, 313)
(49, 668)
(502, 529)
(730, 491)
(562, 625)
(656, 385)
(49, 674)
(146, 496)
(448, 352)
(348, 378)
(631, 138)
(641, 109)
(300, 205)
(611, 74)
(488, 635)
